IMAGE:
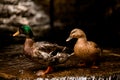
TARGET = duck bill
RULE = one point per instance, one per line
(16, 34)
(68, 39)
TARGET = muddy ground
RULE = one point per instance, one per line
(14, 66)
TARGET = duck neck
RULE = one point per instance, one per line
(81, 40)
(28, 43)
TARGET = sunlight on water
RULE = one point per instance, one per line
(116, 77)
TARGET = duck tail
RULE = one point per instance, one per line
(71, 54)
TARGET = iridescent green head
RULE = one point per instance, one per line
(25, 29)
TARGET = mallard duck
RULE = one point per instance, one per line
(49, 52)
(86, 51)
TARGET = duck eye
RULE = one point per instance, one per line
(73, 32)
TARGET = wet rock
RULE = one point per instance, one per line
(14, 66)
(9, 1)
(14, 13)
(28, 9)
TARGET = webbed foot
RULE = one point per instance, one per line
(43, 73)
(94, 67)
(40, 73)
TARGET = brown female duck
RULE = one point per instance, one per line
(86, 51)
(48, 52)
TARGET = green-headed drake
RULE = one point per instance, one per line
(49, 52)
(86, 51)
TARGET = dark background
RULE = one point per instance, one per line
(98, 18)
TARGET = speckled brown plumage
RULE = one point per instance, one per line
(86, 51)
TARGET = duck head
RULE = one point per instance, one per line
(76, 33)
(26, 30)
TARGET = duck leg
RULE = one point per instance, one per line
(82, 64)
(94, 67)
(48, 70)
(42, 73)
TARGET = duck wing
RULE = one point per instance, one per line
(45, 50)
(50, 52)
(60, 57)
(94, 49)
(47, 46)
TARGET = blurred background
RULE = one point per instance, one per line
(52, 20)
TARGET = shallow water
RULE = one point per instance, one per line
(13, 65)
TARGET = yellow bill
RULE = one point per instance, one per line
(16, 34)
